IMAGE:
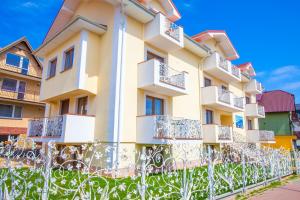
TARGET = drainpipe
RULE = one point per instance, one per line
(120, 101)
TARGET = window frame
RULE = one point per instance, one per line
(21, 61)
(13, 111)
(49, 68)
(64, 68)
(206, 116)
(17, 85)
(207, 79)
(77, 104)
(153, 105)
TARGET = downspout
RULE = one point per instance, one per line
(121, 84)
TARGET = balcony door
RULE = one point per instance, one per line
(151, 55)
(64, 106)
(154, 106)
(82, 105)
(209, 116)
(21, 90)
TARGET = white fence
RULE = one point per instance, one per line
(105, 171)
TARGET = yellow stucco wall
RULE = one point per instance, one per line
(282, 142)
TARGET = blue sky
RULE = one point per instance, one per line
(265, 32)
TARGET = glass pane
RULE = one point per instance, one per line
(13, 59)
(25, 65)
(9, 84)
(158, 108)
(6, 110)
(149, 106)
(52, 69)
(18, 112)
(209, 117)
(207, 82)
(69, 58)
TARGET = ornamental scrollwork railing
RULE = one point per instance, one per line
(167, 127)
(235, 71)
(238, 102)
(171, 76)
(50, 127)
(172, 30)
(224, 95)
(225, 133)
(266, 135)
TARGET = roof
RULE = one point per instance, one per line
(22, 39)
(223, 39)
(277, 101)
(247, 68)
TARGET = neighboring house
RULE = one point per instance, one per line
(296, 124)
(20, 80)
(130, 75)
(280, 114)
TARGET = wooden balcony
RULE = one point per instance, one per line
(29, 96)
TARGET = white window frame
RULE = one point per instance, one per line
(13, 112)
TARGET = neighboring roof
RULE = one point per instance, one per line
(15, 43)
(223, 39)
(277, 101)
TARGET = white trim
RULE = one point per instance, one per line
(82, 59)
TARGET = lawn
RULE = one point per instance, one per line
(72, 184)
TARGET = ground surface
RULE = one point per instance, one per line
(290, 191)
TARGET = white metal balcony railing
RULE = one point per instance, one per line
(259, 86)
(224, 95)
(49, 127)
(167, 127)
(260, 110)
(224, 64)
(224, 133)
(266, 135)
(235, 71)
(172, 29)
(238, 102)
(171, 76)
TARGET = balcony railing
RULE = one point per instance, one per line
(260, 110)
(238, 102)
(266, 136)
(49, 127)
(171, 76)
(224, 64)
(167, 127)
(172, 30)
(235, 71)
(28, 95)
(224, 95)
(224, 133)
(259, 86)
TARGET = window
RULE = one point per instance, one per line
(207, 82)
(249, 121)
(82, 105)
(151, 55)
(10, 111)
(209, 117)
(13, 59)
(247, 100)
(52, 68)
(25, 66)
(224, 88)
(69, 56)
(154, 106)
(9, 84)
(64, 106)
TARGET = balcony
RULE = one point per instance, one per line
(255, 110)
(66, 129)
(221, 99)
(164, 34)
(260, 136)
(161, 129)
(221, 68)
(29, 96)
(213, 133)
(254, 87)
(160, 78)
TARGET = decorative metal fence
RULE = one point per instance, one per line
(106, 171)
(171, 76)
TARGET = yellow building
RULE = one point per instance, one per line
(128, 74)
(20, 78)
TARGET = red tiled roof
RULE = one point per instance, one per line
(277, 101)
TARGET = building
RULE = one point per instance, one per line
(20, 79)
(127, 74)
(280, 116)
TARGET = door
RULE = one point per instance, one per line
(154, 106)
(64, 106)
(21, 90)
(82, 105)
(207, 82)
(209, 117)
(250, 124)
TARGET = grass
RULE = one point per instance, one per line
(70, 184)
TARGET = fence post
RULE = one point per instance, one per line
(243, 170)
(296, 162)
(47, 147)
(278, 165)
(210, 174)
(143, 174)
(264, 168)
